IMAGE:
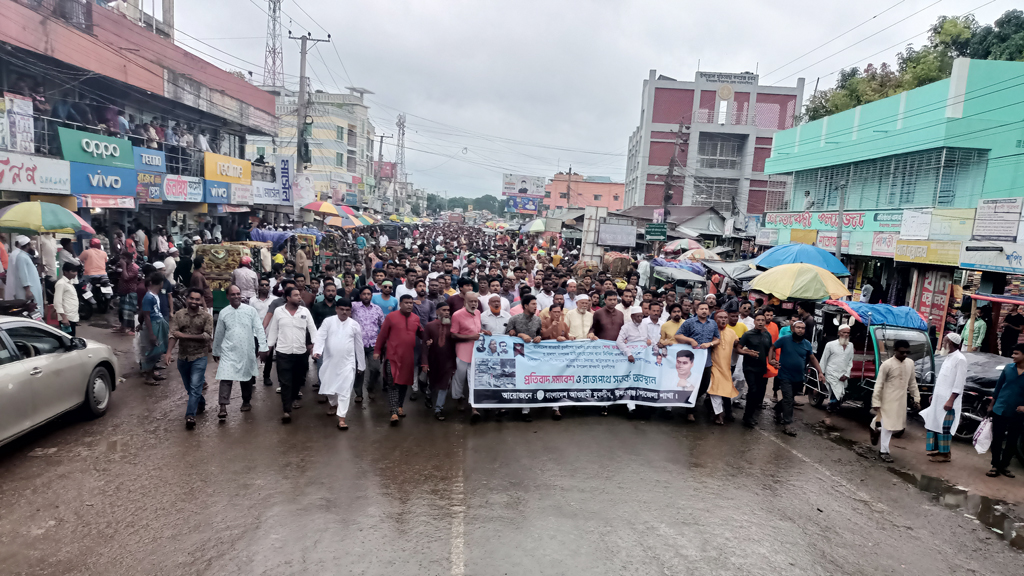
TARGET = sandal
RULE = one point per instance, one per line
(394, 419)
(885, 458)
(439, 416)
(1007, 473)
(401, 413)
(342, 425)
(993, 473)
(150, 382)
(158, 376)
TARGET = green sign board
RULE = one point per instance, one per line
(656, 232)
(92, 148)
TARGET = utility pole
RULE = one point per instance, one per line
(380, 164)
(568, 189)
(670, 176)
(300, 112)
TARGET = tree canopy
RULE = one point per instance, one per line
(950, 37)
(491, 203)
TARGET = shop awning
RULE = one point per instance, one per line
(105, 201)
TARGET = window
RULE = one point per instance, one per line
(563, 194)
(717, 192)
(340, 134)
(351, 163)
(261, 150)
(615, 197)
(6, 356)
(31, 341)
(351, 138)
(339, 159)
(719, 151)
(547, 194)
(597, 197)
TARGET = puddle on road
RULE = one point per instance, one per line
(990, 512)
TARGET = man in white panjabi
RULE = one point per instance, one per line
(339, 341)
(837, 362)
(896, 379)
(239, 331)
(942, 416)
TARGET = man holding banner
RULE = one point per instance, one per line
(465, 331)
(701, 333)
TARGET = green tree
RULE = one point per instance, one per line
(950, 37)
(417, 211)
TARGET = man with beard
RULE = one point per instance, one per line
(235, 350)
(754, 345)
(607, 320)
(625, 302)
(465, 330)
(193, 327)
(794, 355)
(396, 343)
(546, 296)
(837, 362)
(721, 389)
(427, 312)
(434, 293)
(439, 360)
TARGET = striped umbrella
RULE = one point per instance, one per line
(322, 208)
(348, 210)
(31, 218)
(363, 219)
(342, 221)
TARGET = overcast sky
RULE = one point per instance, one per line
(534, 86)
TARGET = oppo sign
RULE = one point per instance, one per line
(97, 148)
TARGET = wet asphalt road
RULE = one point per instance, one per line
(134, 493)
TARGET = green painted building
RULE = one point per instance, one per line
(945, 145)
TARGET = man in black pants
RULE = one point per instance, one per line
(290, 325)
(755, 344)
(1007, 409)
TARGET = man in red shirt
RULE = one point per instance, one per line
(396, 342)
(465, 331)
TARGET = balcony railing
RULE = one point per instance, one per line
(77, 13)
(181, 160)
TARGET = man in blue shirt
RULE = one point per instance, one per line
(1007, 410)
(792, 363)
(384, 299)
(700, 332)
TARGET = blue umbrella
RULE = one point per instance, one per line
(797, 253)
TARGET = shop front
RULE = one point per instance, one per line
(228, 190)
(929, 267)
(103, 177)
(183, 197)
(24, 178)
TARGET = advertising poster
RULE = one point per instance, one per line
(20, 132)
(303, 190)
(767, 237)
(508, 373)
(149, 187)
(23, 173)
(522, 185)
(884, 244)
(183, 189)
(524, 205)
(266, 193)
(916, 224)
(4, 137)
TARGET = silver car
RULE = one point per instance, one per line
(45, 373)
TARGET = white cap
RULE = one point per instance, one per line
(172, 250)
(20, 240)
(158, 265)
(955, 338)
(197, 238)
(582, 297)
(570, 281)
(635, 310)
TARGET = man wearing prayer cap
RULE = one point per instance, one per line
(580, 319)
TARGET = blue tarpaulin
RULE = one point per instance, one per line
(869, 314)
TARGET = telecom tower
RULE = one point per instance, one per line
(273, 62)
(400, 152)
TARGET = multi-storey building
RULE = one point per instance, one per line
(340, 142)
(719, 128)
(579, 191)
(106, 115)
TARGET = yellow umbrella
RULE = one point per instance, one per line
(407, 220)
(800, 282)
(394, 218)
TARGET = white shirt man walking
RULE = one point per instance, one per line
(942, 416)
(234, 349)
(289, 326)
(65, 299)
(339, 342)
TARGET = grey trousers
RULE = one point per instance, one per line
(371, 377)
(225, 390)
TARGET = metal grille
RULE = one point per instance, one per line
(719, 151)
(778, 188)
(77, 13)
(715, 192)
(940, 177)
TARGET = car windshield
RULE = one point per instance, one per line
(886, 337)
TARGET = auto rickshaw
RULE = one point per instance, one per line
(874, 330)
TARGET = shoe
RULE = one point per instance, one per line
(749, 424)
(296, 405)
(788, 430)
(1007, 473)
(300, 394)
(394, 419)
(885, 457)
(556, 415)
(267, 382)
(428, 402)
(245, 408)
(474, 418)
(798, 404)
(439, 415)
(278, 389)
(527, 418)
(190, 423)
(359, 399)
(286, 418)
(940, 458)
(875, 435)
(332, 410)
(201, 409)
(413, 397)
(223, 412)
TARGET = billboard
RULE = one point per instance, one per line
(523, 205)
(522, 185)
(386, 169)
(616, 235)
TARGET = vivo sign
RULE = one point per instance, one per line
(219, 192)
(101, 181)
(102, 149)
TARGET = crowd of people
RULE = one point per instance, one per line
(402, 315)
